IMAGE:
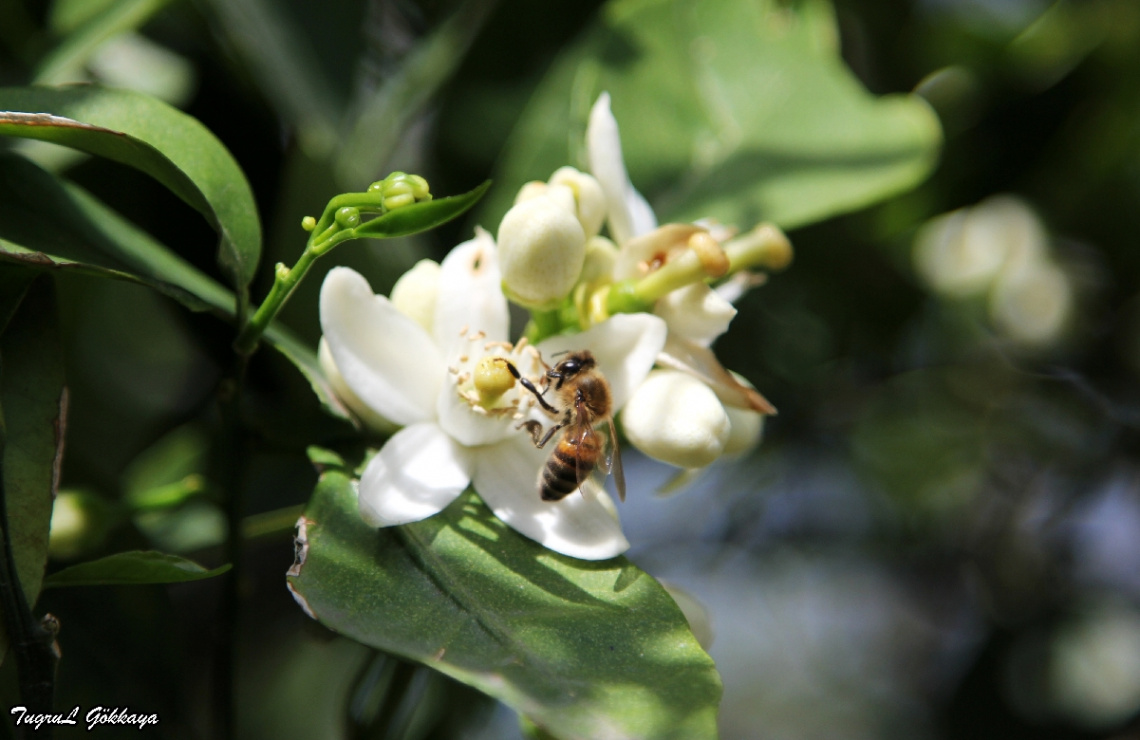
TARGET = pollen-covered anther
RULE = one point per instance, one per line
(713, 259)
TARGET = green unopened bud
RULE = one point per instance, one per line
(347, 217)
(541, 251)
(308, 223)
(492, 379)
(400, 189)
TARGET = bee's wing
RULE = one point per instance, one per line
(613, 459)
(586, 435)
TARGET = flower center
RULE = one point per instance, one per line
(483, 379)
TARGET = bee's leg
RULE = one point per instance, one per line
(525, 383)
(534, 428)
(549, 433)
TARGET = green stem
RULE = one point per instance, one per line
(543, 324)
(233, 454)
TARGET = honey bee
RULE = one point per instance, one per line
(585, 402)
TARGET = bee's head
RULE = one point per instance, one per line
(575, 362)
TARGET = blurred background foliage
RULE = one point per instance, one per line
(939, 537)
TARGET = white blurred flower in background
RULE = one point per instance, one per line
(998, 250)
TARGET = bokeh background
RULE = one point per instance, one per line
(940, 534)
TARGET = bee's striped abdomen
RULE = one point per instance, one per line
(572, 456)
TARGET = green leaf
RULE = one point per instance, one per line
(92, 30)
(48, 225)
(417, 217)
(584, 649)
(134, 568)
(741, 112)
(32, 400)
(147, 134)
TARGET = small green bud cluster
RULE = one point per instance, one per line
(400, 189)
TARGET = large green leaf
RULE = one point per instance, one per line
(49, 225)
(736, 111)
(145, 133)
(45, 223)
(32, 401)
(584, 649)
(132, 568)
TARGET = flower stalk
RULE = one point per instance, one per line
(339, 223)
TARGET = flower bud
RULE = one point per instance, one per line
(347, 217)
(79, 523)
(747, 424)
(589, 199)
(677, 419)
(541, 251)
(415, 293)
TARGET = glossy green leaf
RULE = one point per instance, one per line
(134, 568)
(33, 403)
(417, 217)
(48, 225)
(584, 649)
(741, 112)
(147, 134)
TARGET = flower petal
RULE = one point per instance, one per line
(386, 358)
(418, 472)
(467, 426)
(696, 312)
(581, 526)
(470, 295)
(629, 213)
(625, 347)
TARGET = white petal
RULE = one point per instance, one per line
(467, 426)
(470, 294)
(506, 477)
(386, 358)
(696, 312)
(629, 213)
(363, 411)
(625, 347)
(416, 474)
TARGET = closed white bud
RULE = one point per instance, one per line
(747, 428)
(588, 197)
(541, 251)
(415, 293)
(677, 419)
(747, 425)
